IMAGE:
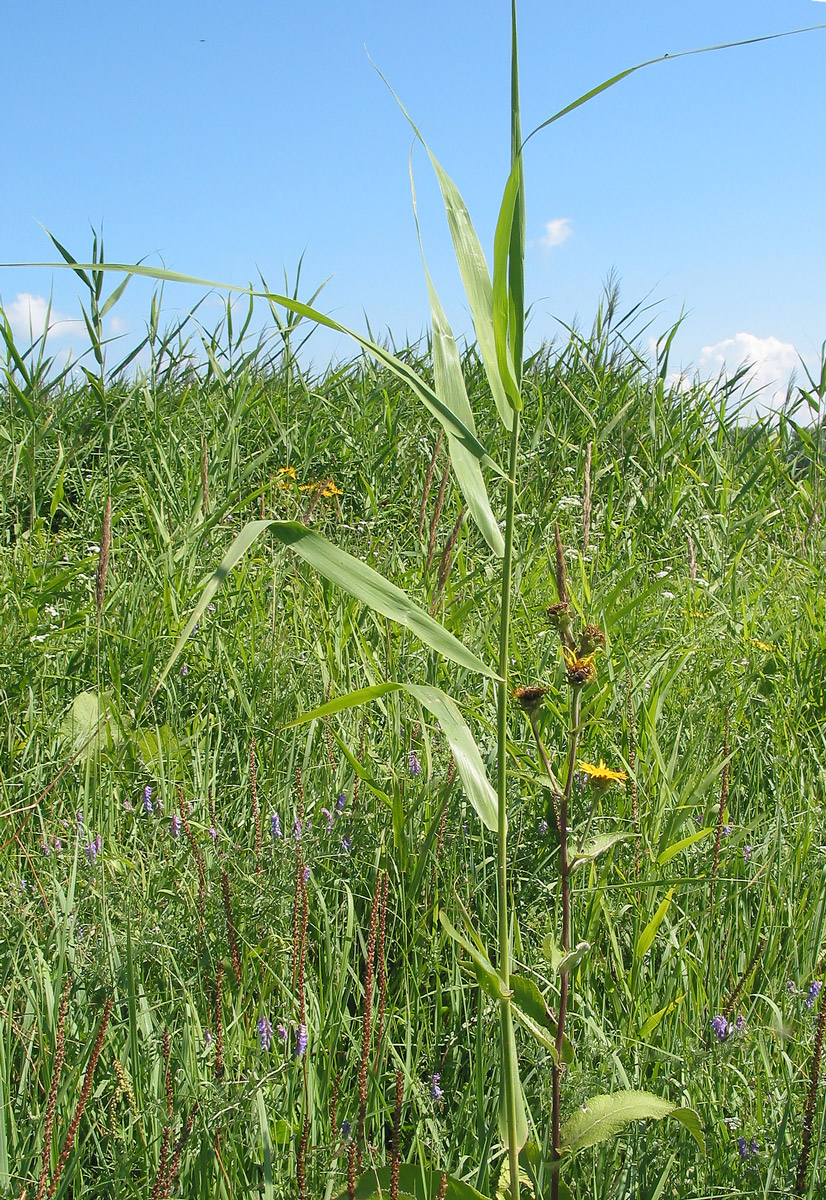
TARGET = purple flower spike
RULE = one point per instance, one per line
(306, 874)
(58, 845)
(264, 1033)
(746, 853)
(720, 1027)
(300, 1042)
(814, 992)
(275, 826)
(147, 799)
(346, 844)
(175, 825)
(44, 846)
(413, 764)
(346, 1132)
(726, 830)
(436, 1092)
(207, 1038)
(297, 829)
(213, 833)
(282, 1032)
(91, 852)
(325, 812)
(742, 1146)
(341, 802)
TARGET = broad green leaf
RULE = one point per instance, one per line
(676, 847)
(466, 754)
(532, 1013)
(414, 1182)
(602, 1117)
(648, 934)
(489, 978)
(348, 573)
(573, 958)
(503, 317)
(89, 725)
(598, 845)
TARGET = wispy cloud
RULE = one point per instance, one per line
(556, 232)
(770, 362)
(27, 314)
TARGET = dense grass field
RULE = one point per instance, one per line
(223, 971)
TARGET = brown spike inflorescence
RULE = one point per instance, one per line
(86, 1091)
(219, 1023)
(397, 1127)
(103, 557)
(57, 1067)
(367, 1017)
(437, 512)
(233, 944)
(382, 969)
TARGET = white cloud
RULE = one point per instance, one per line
(27, 315)
(556, 232)
(770, 363)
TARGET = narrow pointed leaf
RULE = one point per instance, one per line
(348, 573)
(489, 978)
(646, 938)
(676, 847)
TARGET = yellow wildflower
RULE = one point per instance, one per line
(602, 776)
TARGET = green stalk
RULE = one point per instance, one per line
(509, 1068)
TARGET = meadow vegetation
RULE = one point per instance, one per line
(453, 855)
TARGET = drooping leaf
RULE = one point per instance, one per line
(466, 754)
(602, 1118)
(348, 573)
(489, 978)
(573, 958)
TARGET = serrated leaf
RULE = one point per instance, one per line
(466, 756)
(346, 572)
(603, 1117)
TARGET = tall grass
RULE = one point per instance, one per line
(422, 982)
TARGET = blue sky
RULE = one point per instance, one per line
(226, 139)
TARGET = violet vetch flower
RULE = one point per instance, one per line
(175, 825)
(207, 1038)
(147, 799)
(213, 833)
(341, 802)
(298, 829)
(791, 987)
(413, 764)
(282, 1032)
(306, 874)
(44, 846)
(543, 828)
(720, 1027)
(436, 1092)
(58, 845)
(275, 826)
(80, 818)
(346, 1132)
(740, 1024)
(726, 830)
(264, 1033)
(300, 1042)
(814, 991)
(746, 853)
(742, 1146)
(91, 851)
(346, 844)
(325, 812)
(184, 670)
(128, 806)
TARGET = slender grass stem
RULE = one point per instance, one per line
(509, 1068)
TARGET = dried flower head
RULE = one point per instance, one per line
(580, 670)
(529, 698)
(591, 639)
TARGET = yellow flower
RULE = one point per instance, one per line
(287, 477)
(580, 669)
(329, 489)
(601, 776)
(761, 645)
